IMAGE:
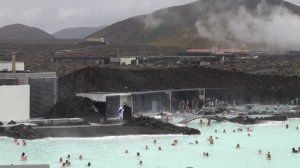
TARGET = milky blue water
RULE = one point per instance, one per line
(108, 152)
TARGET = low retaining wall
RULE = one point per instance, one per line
(25, 166)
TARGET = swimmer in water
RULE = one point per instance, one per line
(23, 157)
(141, 162)
(146, 147)
(259, 151)
(216, 131)
(80, 157)
(233, 131)
(248, 134)
(154, 141)
(287, 126)
(207, 154)
(60, 160)
(298, 149)
(297, 128)
(224, 131)
(175, 142)
(89, 164)
(24, 142)
(238, 146)
(269, 156)
(126, 151)
(294, 150)
(63, 165)
(196, 142)
(249, 129)
(159, 148)
(69, 156)
(138, 154)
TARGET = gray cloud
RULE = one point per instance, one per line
(53, 15)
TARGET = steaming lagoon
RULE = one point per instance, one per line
(110, 151)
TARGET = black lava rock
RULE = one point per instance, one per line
(12, 122)
(272, 118)
(243, 120)
(157, 124)
(23, 132)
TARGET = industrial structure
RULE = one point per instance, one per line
(26, 95)
(43, 89)
(7, 66)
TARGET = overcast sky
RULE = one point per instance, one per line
(53, 15)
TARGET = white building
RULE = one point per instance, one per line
(95, 39)
(14, 103)
(7, 66)
(125, 61)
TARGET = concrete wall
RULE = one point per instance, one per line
(25, 166)
(7, 66)
(14, 102)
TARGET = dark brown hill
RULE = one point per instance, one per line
(204, 23)
(121, 80)
(23, 32)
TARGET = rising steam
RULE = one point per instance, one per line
(274, 26)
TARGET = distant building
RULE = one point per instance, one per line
(43, 90)
(294, 52)
(81, 60)
(7, 66)
(95, 39)
(124, 60)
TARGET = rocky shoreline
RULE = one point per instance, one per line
(136, 126)
(246, 120)
(21, 132)
(151, 123)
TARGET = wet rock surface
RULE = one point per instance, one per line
(22, 132)
(152, 123)
(78, 107)
(243, 120)
(246, 120)
(11, 122)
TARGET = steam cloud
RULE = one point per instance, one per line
(151, 22)
(265, 25)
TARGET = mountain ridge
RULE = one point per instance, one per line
(23, 32)
(189, 25)
(76, 32)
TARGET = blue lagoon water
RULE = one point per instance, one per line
(108, 152)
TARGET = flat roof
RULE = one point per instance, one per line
(152, 91)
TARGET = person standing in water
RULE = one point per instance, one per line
(269, 157)
(210, 140)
